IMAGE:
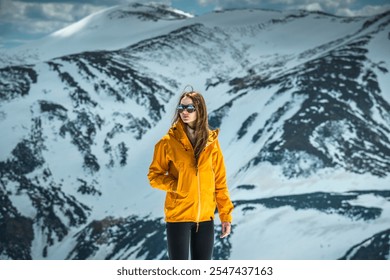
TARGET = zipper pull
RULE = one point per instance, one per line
(197, 226)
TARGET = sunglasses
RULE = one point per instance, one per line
(189, 108)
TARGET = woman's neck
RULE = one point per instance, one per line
(191, 127)
(191, 134)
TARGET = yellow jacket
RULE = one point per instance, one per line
(193, 193)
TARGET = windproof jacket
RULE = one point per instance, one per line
(194, 191)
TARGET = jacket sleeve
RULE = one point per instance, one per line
(224, 204)
(158, 175)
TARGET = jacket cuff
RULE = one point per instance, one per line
(225, 218)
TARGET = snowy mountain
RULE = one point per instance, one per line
(302, 100)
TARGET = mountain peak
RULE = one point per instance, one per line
(131, 13)
(148, 12)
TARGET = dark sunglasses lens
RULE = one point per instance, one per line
(188, 108)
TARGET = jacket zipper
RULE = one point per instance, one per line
(198, 183)
(199, 203)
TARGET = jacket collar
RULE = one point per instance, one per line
(177, 132)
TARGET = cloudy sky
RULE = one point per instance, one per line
(24, 20)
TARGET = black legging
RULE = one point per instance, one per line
(182, 236)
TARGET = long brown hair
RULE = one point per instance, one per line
(201, 123)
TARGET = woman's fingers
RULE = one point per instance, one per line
(226, 229)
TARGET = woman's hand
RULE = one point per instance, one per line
(226, 229)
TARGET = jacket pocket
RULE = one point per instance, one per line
(170, 202)
(182, 181)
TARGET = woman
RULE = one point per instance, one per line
(188, 165)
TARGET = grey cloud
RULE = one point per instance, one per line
(107, 3)
(91, 2)
(36, 12)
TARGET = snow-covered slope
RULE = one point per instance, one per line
(302, 100)
(110, 29)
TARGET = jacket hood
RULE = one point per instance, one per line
(178, 133)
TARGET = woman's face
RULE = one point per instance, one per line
(186, 117)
